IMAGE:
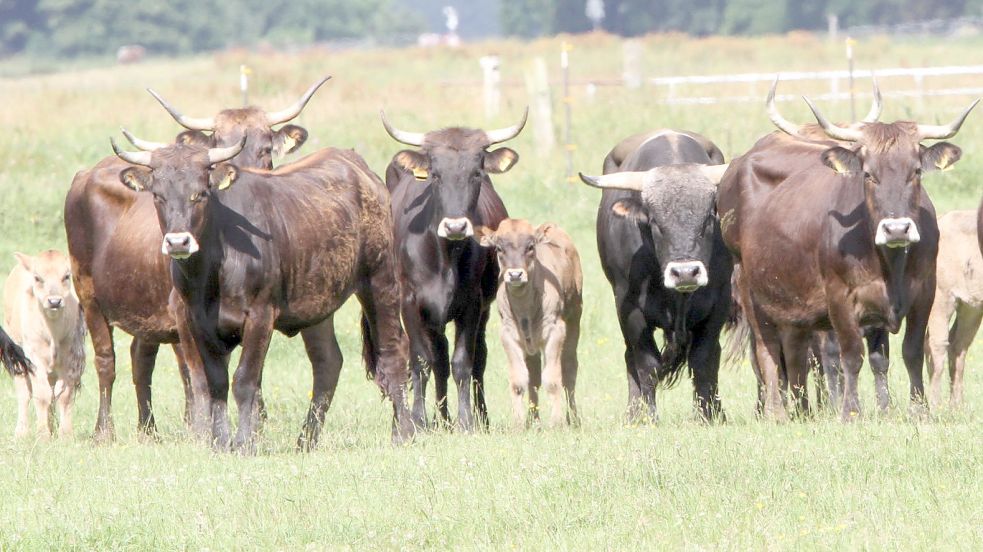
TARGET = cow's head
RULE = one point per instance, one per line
(454, 162)
(678, 206)
(888, 161)
(52, 286)
(515, 242)
(230, 126)
(181, 179)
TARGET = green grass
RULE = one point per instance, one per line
(884, 483)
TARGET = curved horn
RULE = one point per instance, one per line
(507, 133)
(833, 131)
(632, 181)
(140, 144)
(782, 123)
(135, 157)
(217, 155)
(408, 138)
(875, 108)
(941, 132)
(714, 172)
(190, 123)
(284, 115)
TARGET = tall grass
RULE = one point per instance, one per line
(887, 482)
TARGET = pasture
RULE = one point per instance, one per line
(886, 482)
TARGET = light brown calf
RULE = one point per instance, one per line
(42, 313)
(959, 291)
(539, 300)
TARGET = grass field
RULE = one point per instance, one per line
(885, 483)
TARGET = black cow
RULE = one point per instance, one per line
(440, 194)
(660, 247)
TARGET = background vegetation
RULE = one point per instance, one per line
(887, 482)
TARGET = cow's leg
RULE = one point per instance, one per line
(478, 373)
(208, 378)
(638, 332)
(535, 365)
(704, 361)
(42, 394)
(768, 351)
(816, 369)
(913, 348)
(850, 339)
(182, 368)
(553, 371)
(937, 343)
(518, 373)
(66, 405)
(326, 361)
(102, 344)
(422, 361)
(22, 388)
(829, 350)
(963, 331)
(878, 354)
(257, 332)
(795, 350)
(462, 366)
(143, 355)
(570, 367)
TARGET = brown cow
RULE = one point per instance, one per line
(539, 301)
(121, 278)
(959, 292)
(848, 245)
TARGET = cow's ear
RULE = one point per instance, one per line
(500, 160)
(135, 178)
(842, 160)
(414, 162)
(630, 209)
(940, 157)
(289, 139)
(542, 232)
(485, 235)
(222, 176)
(194, 138)
(25, 261)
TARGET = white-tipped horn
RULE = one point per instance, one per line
(507, 133)
(833, 131)
(782, 123)
(408, 138)
(190, 123)
(217, 155)
(284, 115)
(141, 144)
(876, 106)
(941, 132)
(135, 157)
(714, 172)
(632, 181)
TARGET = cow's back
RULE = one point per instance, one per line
(559, 256)
(960, 265)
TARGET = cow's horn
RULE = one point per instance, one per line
(632, 181)
(135, 157)
(714, 172)
(141, 144)
(782, 123)
(833, 131)
(875, 108)
(508, 133)
(408, 138)
(282, 116)
(217, 155)
(941, 132)
(190, 123)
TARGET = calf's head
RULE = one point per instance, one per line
(181, 179)
(678, 207)
(888, 161)
(52, 273)
(515, 243)
(455, 162)
(230, 126)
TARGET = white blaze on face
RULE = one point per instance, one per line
(179, 245)
(455, 228)
(897, 232)
(685, 276)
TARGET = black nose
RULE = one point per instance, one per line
(55, 302)
(456, 227)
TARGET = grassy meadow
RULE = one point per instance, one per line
(887, 482)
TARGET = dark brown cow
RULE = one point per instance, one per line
(441, 193)
(253, 251)
(122, 279)
(979, 226)
(847, 242)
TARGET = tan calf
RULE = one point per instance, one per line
(959, 291)
(42, 313)
(539, 300)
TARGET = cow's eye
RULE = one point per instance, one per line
(531, 248)
(67, 277)
(38, 279)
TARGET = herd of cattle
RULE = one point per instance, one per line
(818, 239)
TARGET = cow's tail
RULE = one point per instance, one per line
(13, 357)
(737, 328)
(370, 349)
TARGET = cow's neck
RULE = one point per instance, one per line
(893, 262)
(193, 277)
